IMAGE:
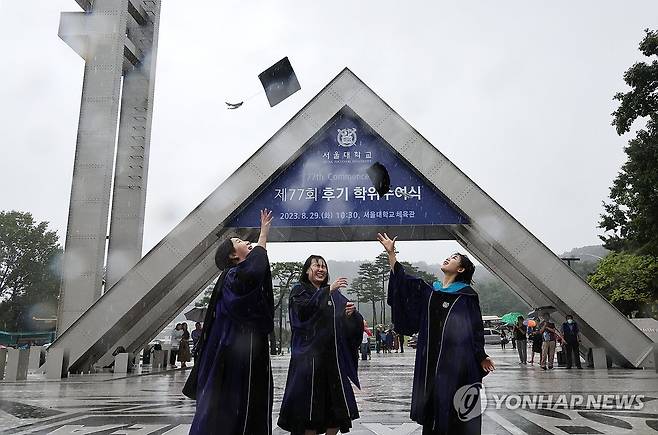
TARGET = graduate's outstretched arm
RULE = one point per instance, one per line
(265, 225)
(389, 246)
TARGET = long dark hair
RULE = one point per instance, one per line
(307, 265)
(469, 269)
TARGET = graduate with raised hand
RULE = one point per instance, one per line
(326, 335)
(450, 349)
(232, 377)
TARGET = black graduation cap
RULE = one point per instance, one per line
(279, 81)
(380, 178)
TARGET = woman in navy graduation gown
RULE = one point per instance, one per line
(450, 349)
(326, 335)
(233, 373)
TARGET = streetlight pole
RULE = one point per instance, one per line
(570, 259)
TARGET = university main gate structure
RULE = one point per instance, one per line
(313, 173)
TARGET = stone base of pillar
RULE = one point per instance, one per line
(17, 363)
(3, 362)
(123, 362)
(599, 358)
(57, 364)
(37, 354)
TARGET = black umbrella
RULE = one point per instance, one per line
(196, 314)
(548, 309)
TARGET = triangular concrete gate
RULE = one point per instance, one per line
(151, 294)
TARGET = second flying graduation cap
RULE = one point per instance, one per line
(379, 178)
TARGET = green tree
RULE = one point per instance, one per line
(284, 275)
(631, 218)
(358, 289)
(630, 282)
(207, 293)
(30, 258)
(422, 274)
(383, 270)
(369, 290)
(496, 298)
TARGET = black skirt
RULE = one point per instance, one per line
(329, 409)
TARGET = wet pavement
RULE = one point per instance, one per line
(521, 399)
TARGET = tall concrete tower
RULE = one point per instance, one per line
(118, 41)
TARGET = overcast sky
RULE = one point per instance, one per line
(517, 94)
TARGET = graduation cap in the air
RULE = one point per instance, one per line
(379, 178)
(279, 81)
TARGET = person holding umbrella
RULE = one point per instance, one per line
(521, 336)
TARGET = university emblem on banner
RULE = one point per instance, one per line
(346, 137)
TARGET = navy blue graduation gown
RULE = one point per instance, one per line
(458, 349)
(320, 328)
(234, 386)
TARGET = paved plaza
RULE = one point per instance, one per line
(152, 403)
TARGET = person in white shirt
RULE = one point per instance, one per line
(365, 344)
(176, 336)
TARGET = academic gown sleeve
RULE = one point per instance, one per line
(306, 306)
(407, 297)
(251, 271)
(308, 310)
(247, 292)
(477, 328)
(353, 331)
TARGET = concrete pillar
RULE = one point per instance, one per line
(17, 362)
(104, 31)
(599, 358)
(3, 362)
(57, 364)
(36, 352)
(131, 169)
(122, 363)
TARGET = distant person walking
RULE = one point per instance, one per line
(389, 340)
(549, 335)
(196, 335)
(571, 335)
(176, 336)
(537, 340)
(378, 339)
(184, 355)
(503, 339)
(520, 336)
(365, 341)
